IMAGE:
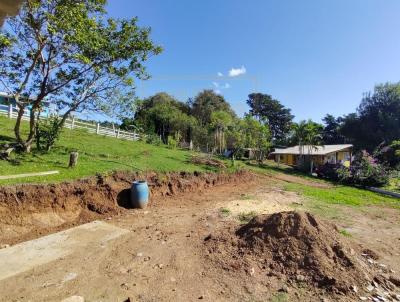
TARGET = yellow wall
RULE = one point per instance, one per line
(287, 159)
(290, 159)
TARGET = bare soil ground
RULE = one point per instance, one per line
(164, 256)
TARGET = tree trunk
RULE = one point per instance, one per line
(17, 127)
(27, 144)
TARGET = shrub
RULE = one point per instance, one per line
(172, 143)
(344, 175)
(364, 171)
(389, 154)
(329, 171)
(47, 132)
(152, 138)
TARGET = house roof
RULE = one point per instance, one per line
(317, 150)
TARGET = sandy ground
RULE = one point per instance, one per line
(161, 257)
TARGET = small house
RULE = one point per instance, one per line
(318, 155)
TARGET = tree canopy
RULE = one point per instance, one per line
(69, 52)
(205, 103)
(379, 115)
(163, 115)
(376, 122)
(271, 112)
(331, 133)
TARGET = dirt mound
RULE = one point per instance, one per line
(295, 247)
(35, 210)
(301, 248)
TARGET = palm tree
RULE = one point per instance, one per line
(307, 133)
(313, 139)
(300, 134)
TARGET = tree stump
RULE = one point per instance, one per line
(5, 154)
(73, 159)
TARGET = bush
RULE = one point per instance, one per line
(389, 154)
(172, 143)
(329, 171)
(47, 132)
(364, 171)
(152, 138)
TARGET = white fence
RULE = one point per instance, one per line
(73, 123)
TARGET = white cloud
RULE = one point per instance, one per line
(220, 74)
(218, 87)
(234, 72)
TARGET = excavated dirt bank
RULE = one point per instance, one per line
(28, 211)
(301, 250)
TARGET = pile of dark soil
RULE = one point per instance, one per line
(295, 247)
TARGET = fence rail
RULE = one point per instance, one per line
(73, 123)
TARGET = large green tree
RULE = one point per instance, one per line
(377, 120)
(271, 112)
(164, 115)
(70, 53)
(249, 133)
(379, 115)
(207, 102)
(331, 133)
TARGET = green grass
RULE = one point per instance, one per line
(247, 197)
(97, 154)
(280, 297)
(270, 167)
(393, 185)
(332, 202)
(225, 212)
(246, 217)
(345, 233)
(342, 195)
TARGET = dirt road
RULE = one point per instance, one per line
(162, 257)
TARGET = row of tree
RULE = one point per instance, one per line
(206, 122)
(376, 121)
(374, 127)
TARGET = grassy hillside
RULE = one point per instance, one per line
(97, 154)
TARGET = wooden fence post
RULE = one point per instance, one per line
(97, 128)
(118, 133)
(73, 159)
(10, 111)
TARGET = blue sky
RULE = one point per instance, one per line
(315, 56)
